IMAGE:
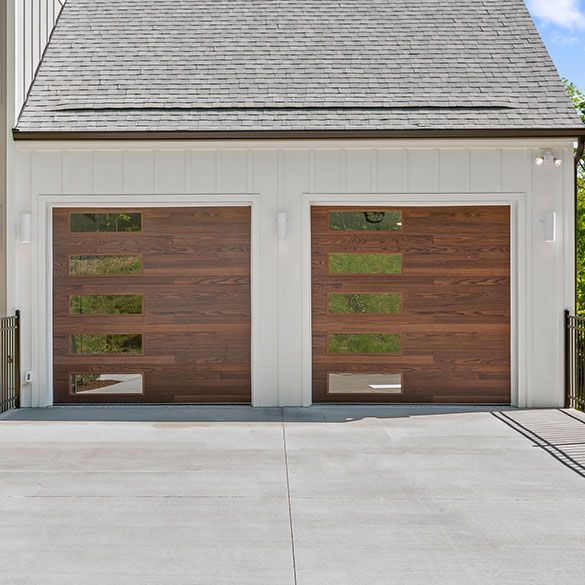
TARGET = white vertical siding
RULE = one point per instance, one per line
(327, 170)
(19, 284)
(454, 170)
(139, 172)
(265, 165)
(3, 150)
(47, 172)
(281, 175)
(34, 21)
(108, 172)
(294, 180)
(234, 171)
(78, 171)
(202, 171)
(358, 170)
(169, 171)
(390, 170)
(485, 171)
(516, 168)
(421, 170)
(547, 284)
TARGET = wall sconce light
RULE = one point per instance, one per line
(26, 228)
(548, 157)
(282, 226)
(548, 226)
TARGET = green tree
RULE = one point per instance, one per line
(578, 97)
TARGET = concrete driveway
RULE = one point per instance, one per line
(319, 496)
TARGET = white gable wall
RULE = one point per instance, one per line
(4, 118)
(25, 29)
(288, 176)
(32, 22)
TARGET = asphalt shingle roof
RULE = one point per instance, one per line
(230, 65)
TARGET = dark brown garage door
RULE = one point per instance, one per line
(152, 305)
(411, 304)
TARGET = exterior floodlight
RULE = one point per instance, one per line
(548, 157)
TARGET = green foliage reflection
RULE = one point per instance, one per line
(105, 222)
(109, 343)
(105, 265)
(368, 303)
(106, 304)
(365, 263)
(364, 343)
(380, 221)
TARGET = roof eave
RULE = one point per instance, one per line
(54, 135)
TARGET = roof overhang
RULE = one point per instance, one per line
(573, 133)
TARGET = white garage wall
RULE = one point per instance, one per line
(283, 174)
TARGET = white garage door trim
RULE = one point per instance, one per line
(42, 257)
(519, 268)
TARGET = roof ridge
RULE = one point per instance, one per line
(280, 108)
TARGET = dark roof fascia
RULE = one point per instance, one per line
(299, 134)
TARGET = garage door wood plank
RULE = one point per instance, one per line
(455, 312)
(196, 320)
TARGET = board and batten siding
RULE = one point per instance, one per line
(285, 176)
(3, 136)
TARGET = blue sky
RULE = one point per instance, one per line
(561, 24)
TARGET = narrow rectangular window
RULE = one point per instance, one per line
(368, 221)
(342, 263)
(350, 383)
(106, 344)
(364, 343)
(106, 304)
(105, 265)
(105, 222)
(95, 384)
(364, 303)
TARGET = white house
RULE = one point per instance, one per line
(284, 202)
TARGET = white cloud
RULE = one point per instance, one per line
(568, 14)
(562, 39)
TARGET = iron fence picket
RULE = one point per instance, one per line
(574, 361)
(10, 362)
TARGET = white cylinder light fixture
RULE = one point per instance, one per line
(26, 228)
(550, 227)
(282, 226)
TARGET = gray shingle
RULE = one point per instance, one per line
(206, 65)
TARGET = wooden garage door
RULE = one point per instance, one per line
(152, 305)
(411, 304)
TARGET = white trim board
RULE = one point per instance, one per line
(519, 272)
(289, 144)
(42, 321)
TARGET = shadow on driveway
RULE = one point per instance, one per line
(188, 413)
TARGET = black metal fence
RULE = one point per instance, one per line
(575, 361)
(9, 362)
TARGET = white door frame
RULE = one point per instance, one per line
(519, 269)
(42, 259)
